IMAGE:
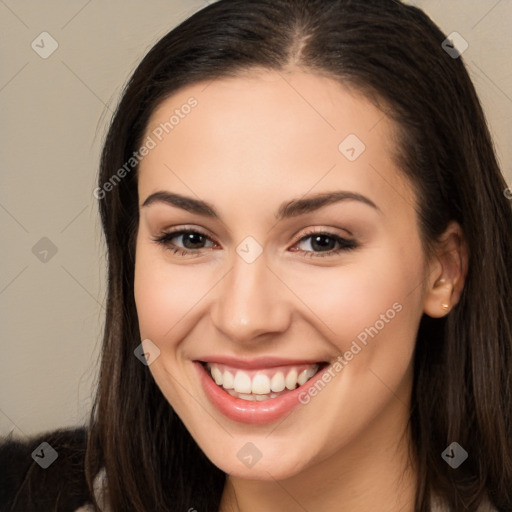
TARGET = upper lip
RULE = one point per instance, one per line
(258, 362)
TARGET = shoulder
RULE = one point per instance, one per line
(439, 506)
(44, 472)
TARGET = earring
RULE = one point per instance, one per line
(445, 306)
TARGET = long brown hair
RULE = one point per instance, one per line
(462, 388)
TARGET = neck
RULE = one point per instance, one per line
(374, 469)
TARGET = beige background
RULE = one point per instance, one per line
(54, 116)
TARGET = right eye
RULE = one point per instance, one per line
(191, 240)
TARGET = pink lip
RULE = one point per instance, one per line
(246, 411)
(253, 364)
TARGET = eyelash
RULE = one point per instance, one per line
(345, 244)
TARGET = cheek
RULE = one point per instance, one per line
(156, 305)
(166, 295)
(378, 295)
(161, 298)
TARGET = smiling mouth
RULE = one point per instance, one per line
(261, 384)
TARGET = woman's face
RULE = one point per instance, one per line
(268, 280)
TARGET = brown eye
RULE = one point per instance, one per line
(184, 241)
(324, 244)
(192, 240)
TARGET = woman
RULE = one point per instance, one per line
(309, 270)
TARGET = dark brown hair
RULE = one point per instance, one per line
(462, 388)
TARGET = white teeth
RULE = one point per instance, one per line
(260, 384)
(229, 381)
(303, 377)
(277, 383)
(311, 372)
(291, 379)
(217, 375)
(243, 396)
(242, 383)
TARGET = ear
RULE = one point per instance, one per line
(447, 272)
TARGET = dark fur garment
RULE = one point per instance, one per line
(26, 487)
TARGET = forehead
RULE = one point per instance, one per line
(275, 134)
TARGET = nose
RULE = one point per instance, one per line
(251, 302)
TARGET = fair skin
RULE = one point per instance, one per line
(250, 144)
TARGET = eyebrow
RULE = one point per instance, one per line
(288, 209)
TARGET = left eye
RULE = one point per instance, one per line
(320, 243)
(323, 244)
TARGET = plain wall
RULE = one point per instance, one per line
(54, 116)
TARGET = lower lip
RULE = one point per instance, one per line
(251, 411)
